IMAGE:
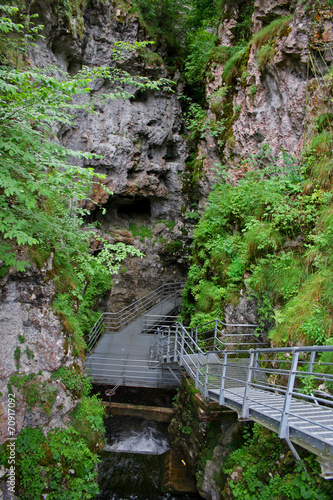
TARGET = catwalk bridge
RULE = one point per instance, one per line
(287, 390)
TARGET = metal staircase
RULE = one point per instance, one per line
(288, 390)
(120, 343)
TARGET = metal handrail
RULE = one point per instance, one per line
(220, 333)
(113, 322)
(210, 372)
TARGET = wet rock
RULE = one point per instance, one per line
(159, 228)
(245, 312)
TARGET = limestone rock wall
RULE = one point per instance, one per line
(143, 152)
(141, 143)
(269, 100)
(32, 341)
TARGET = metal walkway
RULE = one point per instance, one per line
(123, 344)
(287, 390)
(120, 348)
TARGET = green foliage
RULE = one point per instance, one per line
(277, 28)
(196, 121)
(266, 470)
(76, 383)
(252, 90)
(270, 233)
(237, 56)
(319, 155)
(71, 11)
(17, 356)
(142, 231)
(39, 187)
(201, 45)
(29, 353)
(88, 421)
(216, 99)
(264, 55)
(186, 430)
(176, 24)
(59, 464)
(34, 391)
(170, 224)
(173, 248)
(160, 18)
(242, 30)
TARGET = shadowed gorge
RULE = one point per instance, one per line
(165, 207)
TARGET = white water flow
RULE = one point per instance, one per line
(138, 436)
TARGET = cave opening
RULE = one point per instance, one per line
(137, 208)
(121, 209)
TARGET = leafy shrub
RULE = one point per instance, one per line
(273, 234)
(88, 421)
(238, 57)
(201, 46)
(76, 383)
(59, 464)
(266, 469)
(264, 55)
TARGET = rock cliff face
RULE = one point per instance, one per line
(33, 343)
(267, 94)
(140, 140)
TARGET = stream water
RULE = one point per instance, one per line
(133, 459)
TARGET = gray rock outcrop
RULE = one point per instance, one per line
(140, 140)
(32, 344)
(270, 94)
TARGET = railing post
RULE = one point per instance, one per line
(312, 360)
(256, 365)
(284, 425)
(168, 348)
(206, 376)
(245, 407)
(215, 333)
(176, 344)
(182, 348)
(159, 342)
(197, 371)
(224, 370)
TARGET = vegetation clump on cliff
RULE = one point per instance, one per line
(268, 235)
(265, 235)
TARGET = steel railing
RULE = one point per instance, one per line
(113, 322)
(231, 334)
(198, 339)
(277, 382)
(153, 323)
